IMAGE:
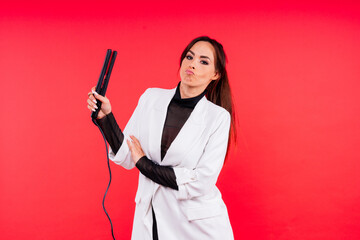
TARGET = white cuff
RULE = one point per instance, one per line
(122, 157)
(184, 175)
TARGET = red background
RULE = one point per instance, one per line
(294, 70)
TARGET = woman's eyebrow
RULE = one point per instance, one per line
(200, 56)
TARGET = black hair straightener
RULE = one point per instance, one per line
(101, 89)
(104, 78)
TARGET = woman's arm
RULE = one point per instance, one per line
(106, 120)
(112, 131)
(163, 175)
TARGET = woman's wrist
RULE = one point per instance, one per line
(102, 116)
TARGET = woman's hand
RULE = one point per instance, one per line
(135, 149)
(92, 100)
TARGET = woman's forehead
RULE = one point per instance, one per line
(203, 48)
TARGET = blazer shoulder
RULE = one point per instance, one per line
(216, 111)
(151, 95)
(157, 91)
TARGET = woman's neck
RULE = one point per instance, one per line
(189, 92)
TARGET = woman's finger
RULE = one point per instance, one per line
(92, 98)
(131, 148)
(90, 108)
(135, 146)
(129, 144)
(96, 95)
(134, 138)
(103, 99)
(136, 141)
(92, 104)
(136, 149)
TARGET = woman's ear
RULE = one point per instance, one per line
(216, 76)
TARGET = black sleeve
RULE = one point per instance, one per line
(163, 175)
(112, 131)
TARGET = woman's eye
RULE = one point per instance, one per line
(189, 57)
(204, 62)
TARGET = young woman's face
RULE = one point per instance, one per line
(198, 67)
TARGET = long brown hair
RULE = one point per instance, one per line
(218, 91)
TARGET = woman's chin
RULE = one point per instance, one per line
(187, 80)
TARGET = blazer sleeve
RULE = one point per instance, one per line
(163, 175)
(201, 180)
(112, 131)
(123, 155)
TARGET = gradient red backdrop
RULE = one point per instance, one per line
(294, 71)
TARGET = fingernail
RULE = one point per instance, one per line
(96, 107)
(94, 101)
(94, 92)
(93, 110)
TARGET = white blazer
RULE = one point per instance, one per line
(196, 211)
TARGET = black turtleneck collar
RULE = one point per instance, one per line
(186, 102)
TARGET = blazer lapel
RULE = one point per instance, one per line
(189, 134)
(157, 124)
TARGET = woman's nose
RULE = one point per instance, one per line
(192, 64)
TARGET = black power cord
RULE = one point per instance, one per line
(101, 87)
(108, 163)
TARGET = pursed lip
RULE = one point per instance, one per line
(188, 71)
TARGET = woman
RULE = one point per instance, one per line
(178, 139)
